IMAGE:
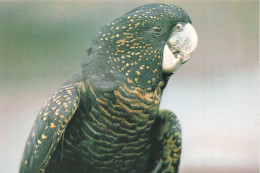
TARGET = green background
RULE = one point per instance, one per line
(215, 94)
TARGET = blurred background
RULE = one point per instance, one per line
(215, 94)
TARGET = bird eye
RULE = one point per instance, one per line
(179, 27)
(157, 30)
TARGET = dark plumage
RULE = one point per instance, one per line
(107, 118)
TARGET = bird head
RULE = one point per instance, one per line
(145, 45)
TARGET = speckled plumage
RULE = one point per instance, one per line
(107, 118)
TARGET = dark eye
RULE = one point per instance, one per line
(178, 27)
(157, 30)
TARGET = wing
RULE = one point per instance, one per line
(167, 145)
(49, 128)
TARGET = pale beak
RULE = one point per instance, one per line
(179, 48)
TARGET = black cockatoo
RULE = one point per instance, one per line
(107, 118)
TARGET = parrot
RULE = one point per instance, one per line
(107, 116)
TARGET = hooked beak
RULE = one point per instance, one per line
(179, 47)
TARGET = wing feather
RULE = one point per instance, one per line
(49, 127)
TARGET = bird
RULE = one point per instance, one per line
(107, 116)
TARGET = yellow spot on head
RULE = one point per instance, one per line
(121, 51)
(117, 35)
(52, 125)
(137, 24)
(57, 112)
(136, 79)
(39, 141)
(44, 136)
(129, 80)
